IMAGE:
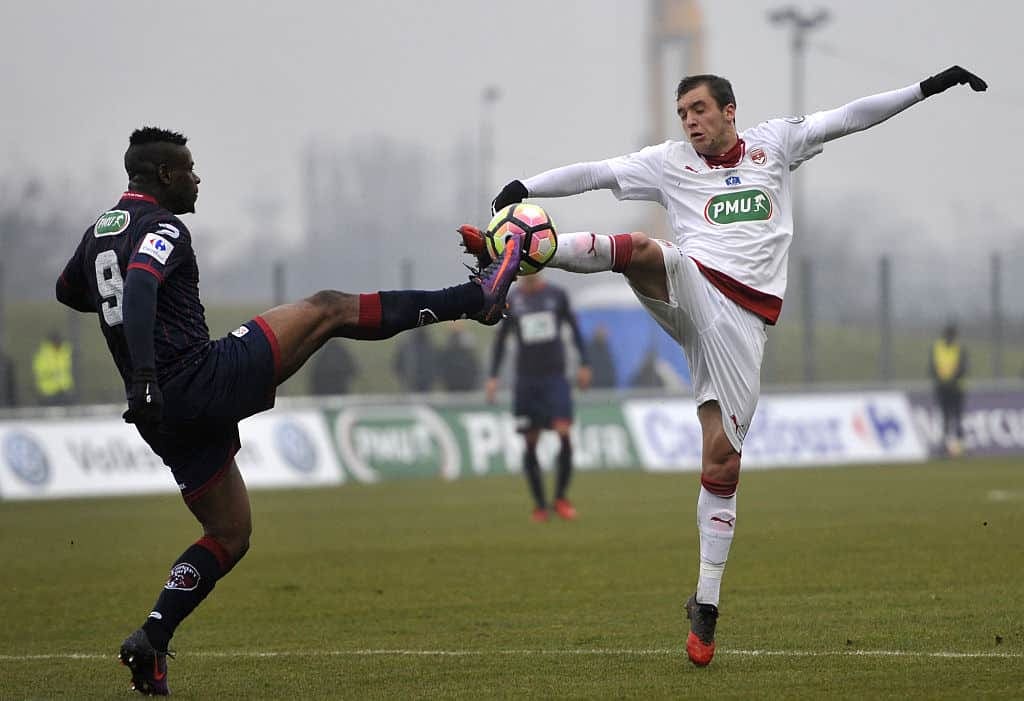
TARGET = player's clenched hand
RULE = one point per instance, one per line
(512, 193)
(954, 75)
(145, 401)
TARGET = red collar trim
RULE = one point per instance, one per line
(729, 159)
(139, 196)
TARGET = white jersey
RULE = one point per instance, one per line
(732, 220)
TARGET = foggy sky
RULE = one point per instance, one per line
(252, 83)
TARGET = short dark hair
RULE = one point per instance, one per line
(146, 147)
(719, 87)
(153, 135)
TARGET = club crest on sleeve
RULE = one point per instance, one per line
(758, 156)
(156, 246)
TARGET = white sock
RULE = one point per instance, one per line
(583, 252)
(716, 518)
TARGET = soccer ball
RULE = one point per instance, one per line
(540, 240)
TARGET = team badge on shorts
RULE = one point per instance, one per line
(240, 331)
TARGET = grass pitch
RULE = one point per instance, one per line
(884, 582)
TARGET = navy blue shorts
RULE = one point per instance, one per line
(539, 401)
(203, 403)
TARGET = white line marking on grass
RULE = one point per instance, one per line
(1005, 495)
(578, 652)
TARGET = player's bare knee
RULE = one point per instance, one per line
(720, 472)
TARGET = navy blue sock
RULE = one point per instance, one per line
(192, 577)
(383, 314)
(564, 467)
(531, 467)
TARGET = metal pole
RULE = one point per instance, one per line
(489, 96)
(800, 24)
(997, 315)
(885, 319)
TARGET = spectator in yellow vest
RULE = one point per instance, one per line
(55, 380)
(947, 367)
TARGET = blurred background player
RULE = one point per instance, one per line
(947, 366)
(542, 398)
(53, 371)
(717, 288)
(135, 268)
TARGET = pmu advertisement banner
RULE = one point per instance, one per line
(993, 422)
(387, 441)
(787, 431)
(105, 456)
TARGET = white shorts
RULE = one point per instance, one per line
(723, 342)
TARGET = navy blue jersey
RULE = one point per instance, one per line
(536, 318)
(139, 233)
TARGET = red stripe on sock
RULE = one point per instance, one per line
(622, 252)
(218, 550)
(370, 312)
(719, 489)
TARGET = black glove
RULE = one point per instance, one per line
(512, 193)
(950, 77)
(145, 401)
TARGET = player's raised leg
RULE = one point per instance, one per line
(716, 521)
(638, 256)
(303, 327)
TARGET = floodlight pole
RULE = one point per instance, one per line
(489, 97)
(800, 24)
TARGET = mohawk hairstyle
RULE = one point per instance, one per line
(147, 147)
(153, 135)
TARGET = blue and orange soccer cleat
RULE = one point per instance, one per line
(700, 643)
(495, 280)
(148, 666)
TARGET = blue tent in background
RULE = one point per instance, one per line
(632, 333)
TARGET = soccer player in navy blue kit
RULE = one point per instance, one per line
(135, 268)
(537, 312)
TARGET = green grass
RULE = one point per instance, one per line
(914, 559)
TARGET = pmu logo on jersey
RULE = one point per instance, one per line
(111, 223)
(183, 577)
(742, 206)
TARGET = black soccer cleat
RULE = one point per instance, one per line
(496, 279)
(700, 643)
(147, 664)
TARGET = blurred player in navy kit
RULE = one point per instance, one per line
(537, 311)
(136, 269)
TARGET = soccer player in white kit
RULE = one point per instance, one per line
(721, 283)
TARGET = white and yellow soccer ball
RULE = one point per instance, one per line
(540, 238)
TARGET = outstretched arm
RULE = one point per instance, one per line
(874, 109)
(559, 182)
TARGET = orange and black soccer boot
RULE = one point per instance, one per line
(700, 643)
(148, 665)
